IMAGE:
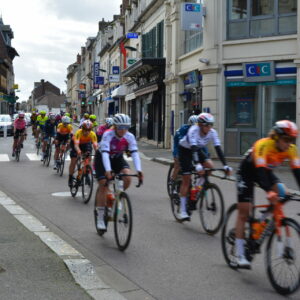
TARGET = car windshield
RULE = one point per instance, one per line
(5, 119)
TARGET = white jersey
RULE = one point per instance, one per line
(194, 138)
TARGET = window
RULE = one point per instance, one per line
(152, 41)
(257, 18)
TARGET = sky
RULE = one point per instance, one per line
(48, 34)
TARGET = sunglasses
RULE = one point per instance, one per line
(288, 139)
(122, 127)
(208, 124)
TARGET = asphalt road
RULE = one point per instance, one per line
(165, 260)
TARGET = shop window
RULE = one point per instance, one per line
(257, 18)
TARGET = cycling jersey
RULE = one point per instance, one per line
(33, 118)
(100, 130)
(80, 139)
(49, 128)
(41, 121)
(20, 124)
(179, 134)
(64, 130)
(112, 146)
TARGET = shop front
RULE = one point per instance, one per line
(257, 95)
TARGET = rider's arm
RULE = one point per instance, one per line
(221, 154)
(106, 161)
(136, 160)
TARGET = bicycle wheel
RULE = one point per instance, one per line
(62, 164)
(17, 153)
(87, 184)
(175, 206)
(169, 182)
(123, 221)
(283, 258)
(211, 208)
(38, 146)
(49, 152)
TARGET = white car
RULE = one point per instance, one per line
(6, 121)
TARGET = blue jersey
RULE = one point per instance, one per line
(49, 128)
(179, 134)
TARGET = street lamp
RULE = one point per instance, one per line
(131, 48)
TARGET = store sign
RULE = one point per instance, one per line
(191, 16)
(259, 72)
(132, 35)
(131, 61)
(116, 70)
(99, 80)
(192, 80)
(114, 78)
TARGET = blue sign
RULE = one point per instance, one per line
(96, 69)
(258, 72)
(132, 35)
(116, 70)
(99, 80)
(192, 7)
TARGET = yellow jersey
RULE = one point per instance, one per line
(64, 130)
(79, 138)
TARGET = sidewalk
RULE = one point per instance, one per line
(36, 264)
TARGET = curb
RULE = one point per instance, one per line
(80, 268)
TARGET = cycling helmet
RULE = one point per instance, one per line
(65, 120)
(109, 122)
(42, 112)
(88, 125)
(122, 120)
(67, 115)
(93, 117)
(52, 117)
(206, 118)
(86, 115)
(193, 120)
(21, 115)
(287, 128)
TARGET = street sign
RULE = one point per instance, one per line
(132, 35)
(116, 70)
(114, 78)
(99, 80)
(130, 61)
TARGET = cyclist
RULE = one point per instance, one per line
(68, 115)
(102, 128)
(33, 118)
(19, 131)
(63, 135)
(93, 119)
(256, 167)
(48, 131)
(81, 142)
(40, 121)
(179, 134)
(86, 117)
(58, 119)
(190, 151)
(110, 159)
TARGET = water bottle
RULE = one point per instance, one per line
(193, 193)
(110, 198)
(258, 228)
(120, 185)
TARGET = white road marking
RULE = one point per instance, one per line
(33, 156)
(68, 157)
(62, 194)
(4, 157)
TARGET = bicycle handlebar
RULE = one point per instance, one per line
(120, 175)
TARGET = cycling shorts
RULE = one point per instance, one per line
(18, 132)
(83, 147)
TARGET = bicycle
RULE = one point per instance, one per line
(274, 225)
(210, 198)
(61, 159)
(48, 152)
(18, 148)
(83, 177)
(39, 143)
(121, 213)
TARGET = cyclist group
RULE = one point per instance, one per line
(113, 138)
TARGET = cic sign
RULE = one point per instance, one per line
(259, 72)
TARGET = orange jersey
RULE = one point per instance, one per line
(265, 154)
(62, 129)
(79, 138)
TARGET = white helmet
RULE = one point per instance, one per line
(122, 120)
(206, 118)
(109, 121)
(66, 120)
(193, 119)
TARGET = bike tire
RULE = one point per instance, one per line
(62, 164)
(123, 215)
(169, 184)
(211, 204)
(175, 206)
(87, 184)
(38, 146)
(49, 153)
(289, 255)
(17, 153)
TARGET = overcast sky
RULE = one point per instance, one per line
(48, 34)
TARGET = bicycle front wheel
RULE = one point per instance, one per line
(123, 221)
(62, 164)
(87, 184)
(169, 182)
(283, 258)
(211, 208)
(18, 154)
(49, 152)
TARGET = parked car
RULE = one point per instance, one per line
(28, 119)
(5, 120)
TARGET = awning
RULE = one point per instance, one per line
(146, 90)
(130, 97)
(120, 91)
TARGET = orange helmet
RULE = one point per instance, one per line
(286, 127)
(88, 125)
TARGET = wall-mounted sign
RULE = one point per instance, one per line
(130, 61)
(116, 70)
(191, 80)
(96, 69)
(99, 80)
(114, 78)
(132, 35)
(191, 16)
(258, 72)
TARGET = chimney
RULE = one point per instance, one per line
(78, 61)
(102, 24)
(43, 86)
(116, 17)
